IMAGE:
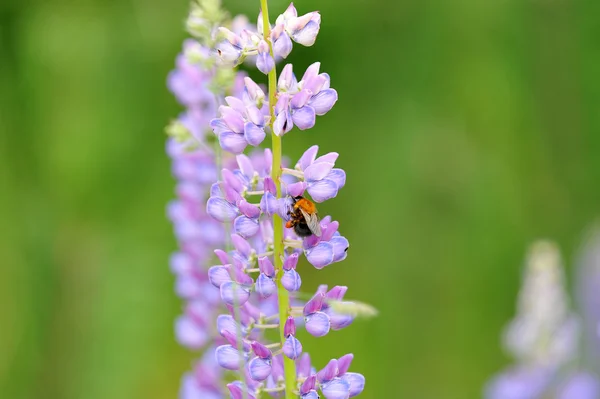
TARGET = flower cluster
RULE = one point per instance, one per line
(234, 47)
(544, 338)
(240, 254)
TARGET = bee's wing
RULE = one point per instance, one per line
(312, 220)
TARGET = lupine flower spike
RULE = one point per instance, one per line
(244, 219)
(544, 336)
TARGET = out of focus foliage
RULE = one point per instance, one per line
(467, 128)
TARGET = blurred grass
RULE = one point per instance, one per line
(467, 129)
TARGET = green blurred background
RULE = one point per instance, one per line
(467, 128)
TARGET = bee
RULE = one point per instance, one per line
(303, 218)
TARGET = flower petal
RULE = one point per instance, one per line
(292, 347)
(323, 101)
(317, 324)
(228, 357)
(296, 189)
(322, 190)
(317, 171)
(218, 275)
(189, 333)
(320, 255)
(260, 369)
(308, 157)
(357, 383)
(265, 286)
(291, 280)
(304, 117)
(232, 142)
(340, 248)
(337, 388)
(221, 209)
(245, 226)
(234, 294)
(253, 134)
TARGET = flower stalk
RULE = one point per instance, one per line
(283, 296)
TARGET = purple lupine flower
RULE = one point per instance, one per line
(300, 102)
(319, 177)
(240, 123)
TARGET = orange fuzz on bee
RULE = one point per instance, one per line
(303, 218)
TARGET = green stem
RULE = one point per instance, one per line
(282, 294)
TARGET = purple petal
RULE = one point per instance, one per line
(336, 389)
(303, 365)
(307, 35)
(236, 104)
(296, 189)
(330, 157)
(317, 324)
(264, 61)
(260, 350)
(290, 327)
(312, 394)
(338, 176)
(245, 226)
(234, 294)
(322, 190)
(237, 391)
(292, 348)
(282, 47)
(232, 118)
(269, 185)
(580, 386)
(265, 266)
(308, 385)
(323, 101)
(269, 204)
(265, 286)
(315, 84)
(308, 157)
(221, 210)
(357, 383)
(340, 248)
(245, 165)
(518, 383)
(320, 255)
(317, 171)
(232, 180)
(181, 263)
(290, 262)
(337, 293)
(329, 372)
(228, 357)
(314, 304)
(219, 126)
(249, 210)
(226, 322)
(344, 363)
(283, 123)
(241, 245)
(287, 80)
(232, 142)
(253, 134)
(260, 369)
(254, 91)
(339, 321)
(218, 275)
(189, 333)
(291, 280)
(304, 117)
(300, 99)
